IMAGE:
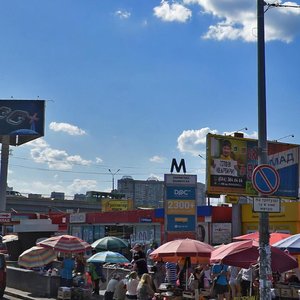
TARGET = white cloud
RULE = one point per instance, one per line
(80, 186)
(193, 141)
(235, 19)
(56, 159)
(67, 128)
(99, 160)
(123, 14)
(155, 176)
(172, 12)
(157, 159)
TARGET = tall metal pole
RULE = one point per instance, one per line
(264, 247)
(3, 173)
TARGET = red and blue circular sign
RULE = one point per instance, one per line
(265, 179)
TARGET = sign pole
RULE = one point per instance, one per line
(264, 247)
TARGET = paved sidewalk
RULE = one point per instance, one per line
(28, 296)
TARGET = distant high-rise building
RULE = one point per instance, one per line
(150, 193)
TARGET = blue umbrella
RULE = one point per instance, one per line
(291, 243)
(108, 257)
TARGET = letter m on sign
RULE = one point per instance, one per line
(178, 168)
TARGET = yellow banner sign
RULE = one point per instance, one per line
(181, 207)
(116, 205)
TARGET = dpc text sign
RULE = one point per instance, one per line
(266, 205)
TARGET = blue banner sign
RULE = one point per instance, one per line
(181, 192)
(181, 223)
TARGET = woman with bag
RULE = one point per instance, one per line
(220, 282)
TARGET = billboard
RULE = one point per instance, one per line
(116, 205)
(231, 161)
(22, 120)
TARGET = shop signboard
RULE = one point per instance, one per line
(5, 217)
(116, 205)
(231, 162)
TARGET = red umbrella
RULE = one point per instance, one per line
(246, 253)
(274, 237)
(65, 243)
(176, 249)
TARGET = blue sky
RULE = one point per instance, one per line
(131, 84)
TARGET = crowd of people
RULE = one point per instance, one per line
(146, 276)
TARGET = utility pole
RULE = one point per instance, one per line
(264, 247)
(3, 171)
(113, 178)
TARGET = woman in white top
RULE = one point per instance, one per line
(132, 285)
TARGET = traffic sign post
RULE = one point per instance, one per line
(265, 179)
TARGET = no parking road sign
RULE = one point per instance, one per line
(265, 179)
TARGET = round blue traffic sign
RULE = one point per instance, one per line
(265, 179)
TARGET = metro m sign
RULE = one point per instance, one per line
(5, 217)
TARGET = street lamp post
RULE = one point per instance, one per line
(264, 247)
(113, 178)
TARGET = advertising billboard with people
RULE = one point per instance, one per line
(231, 161)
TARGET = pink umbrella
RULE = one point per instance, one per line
(176, 249)
(65, 243)
(246, 253)
(274, 237)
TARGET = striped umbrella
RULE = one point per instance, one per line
(65, 243)
(36, 257)
(108, 257)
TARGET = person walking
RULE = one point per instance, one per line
(111, 287)
(131, 285)
(171, 273)
(219, 275)
(234, 281)
(66, 273)
(96, 272)
(144, 289)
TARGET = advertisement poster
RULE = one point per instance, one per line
(231, 161)
(221, 233)
(22, 120)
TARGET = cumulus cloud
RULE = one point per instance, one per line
(67, 128)
(235, 19)
(193, 141)
(157, 159)
(56, 159)
(172, 12)
(123, 14)
(80, 186)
